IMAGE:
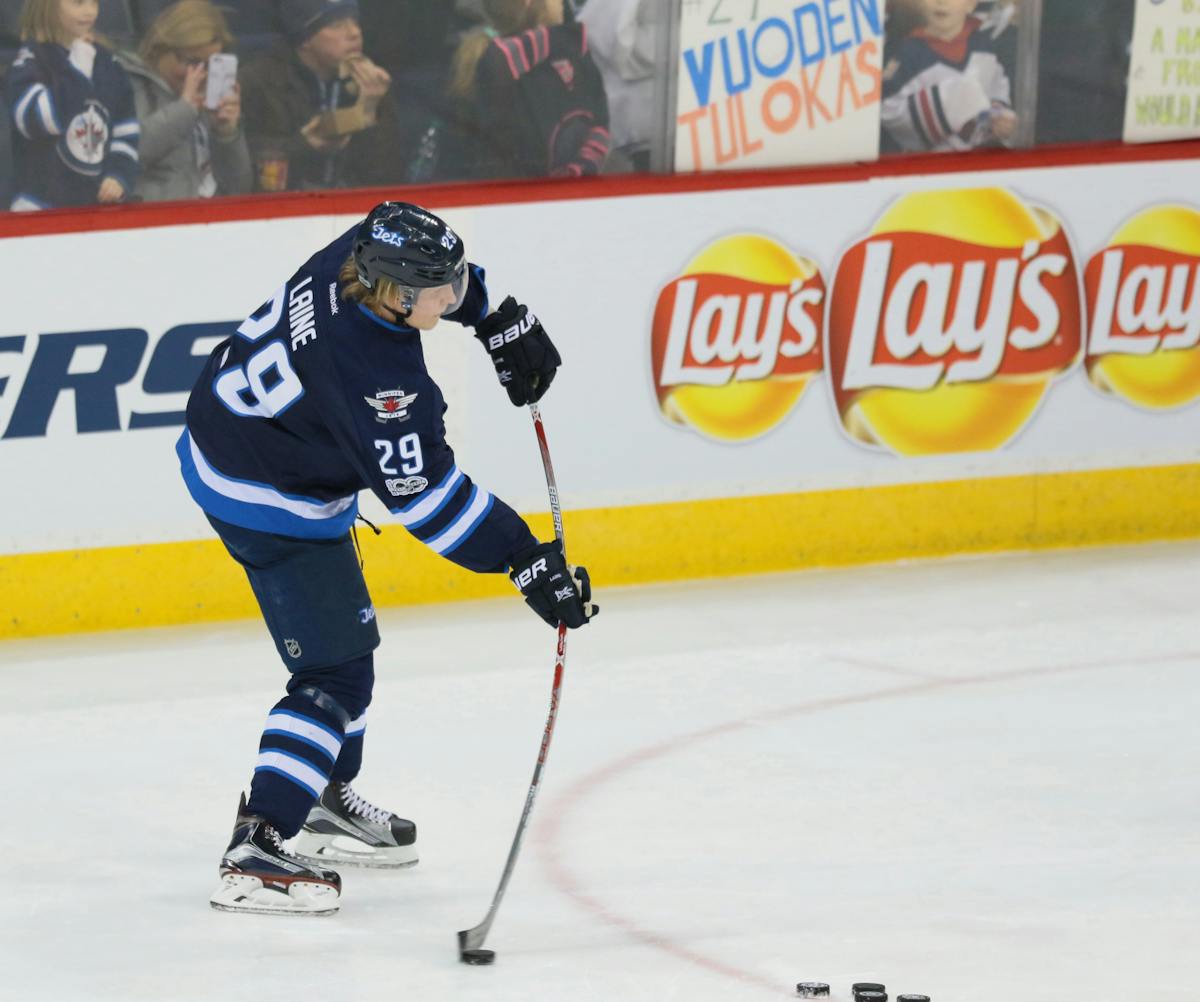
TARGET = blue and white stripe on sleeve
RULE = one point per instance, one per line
(34, 113)
(444, 517)
(125, 137)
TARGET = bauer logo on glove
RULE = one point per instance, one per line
(554, 589)
(523, 354)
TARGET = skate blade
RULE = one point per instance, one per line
(240, 892)
(347, 851)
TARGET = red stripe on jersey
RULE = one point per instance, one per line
(502, 45)
(928, 117)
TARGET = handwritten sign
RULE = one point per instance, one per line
(1164, 72)
(778, 82)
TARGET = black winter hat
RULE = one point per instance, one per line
(304, 18)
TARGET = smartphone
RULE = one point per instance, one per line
(222, 76)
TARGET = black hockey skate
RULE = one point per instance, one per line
(344, 828)
(258, 875)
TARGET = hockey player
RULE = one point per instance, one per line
(945, 87)
(323, 392)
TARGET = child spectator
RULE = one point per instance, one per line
(76, 133)
(187, 150)
(532, 99)
(317, 111)
(944, 86)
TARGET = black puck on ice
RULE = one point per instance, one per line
(870, 996)
(867, 986)
(812, 990)
(478, 958)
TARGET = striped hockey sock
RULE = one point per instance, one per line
(300, 744)
(350, 760)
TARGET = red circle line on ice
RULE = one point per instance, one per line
(550, 834)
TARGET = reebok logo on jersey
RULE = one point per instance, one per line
(509, 335)
(391, 405)
(529, 575)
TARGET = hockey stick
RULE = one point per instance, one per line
(470, 940)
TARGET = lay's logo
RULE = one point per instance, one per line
(949, 321)
(737, 337)
(1144, 302)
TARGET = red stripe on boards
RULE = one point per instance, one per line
(453, 196)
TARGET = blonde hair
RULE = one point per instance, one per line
(507, 17)
(385, 291)
(188, 24)
(40, 22)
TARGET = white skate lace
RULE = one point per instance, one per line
(276, 839)
(364, 808)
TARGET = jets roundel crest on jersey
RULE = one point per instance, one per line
(85, 139)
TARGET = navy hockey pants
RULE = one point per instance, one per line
(315, 602)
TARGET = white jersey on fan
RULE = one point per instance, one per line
(936, 92)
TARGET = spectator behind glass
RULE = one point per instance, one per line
(624, 37)
(76, 133)
(531, 98)
(187, 150)
(317, 110)
(944, 87)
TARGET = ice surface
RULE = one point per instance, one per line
(975, 779)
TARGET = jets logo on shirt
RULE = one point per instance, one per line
(391, 405)
(85, 139)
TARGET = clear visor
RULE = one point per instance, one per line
(442, 299)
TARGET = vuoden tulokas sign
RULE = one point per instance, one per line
(943, 330)
(778, 82)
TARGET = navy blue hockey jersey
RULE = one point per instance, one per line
(316, 398)
(75, 124)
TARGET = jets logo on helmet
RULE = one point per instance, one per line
(404, 244)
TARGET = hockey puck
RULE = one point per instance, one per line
(870, 996)
(812, 990)
(867, 986)
(478, 958)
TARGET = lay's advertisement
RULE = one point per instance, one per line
(737, 342)
(946, 328)
(1143, 294)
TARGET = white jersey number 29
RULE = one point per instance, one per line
(266, 385)
(407, 450)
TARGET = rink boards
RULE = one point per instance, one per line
(761, 372)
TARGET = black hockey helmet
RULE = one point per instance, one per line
(412, 247)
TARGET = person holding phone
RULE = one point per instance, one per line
(193, 145)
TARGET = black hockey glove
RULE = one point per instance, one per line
(554, 589)
(522, 352)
